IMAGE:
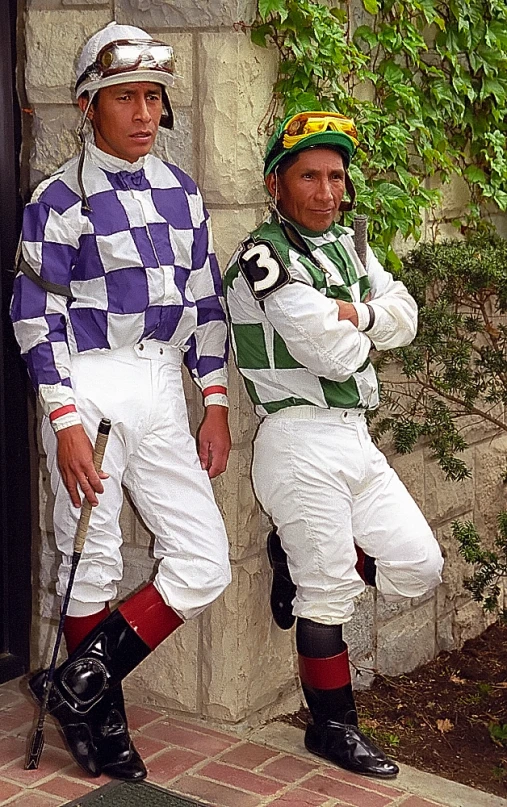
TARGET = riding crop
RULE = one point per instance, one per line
(37, 741)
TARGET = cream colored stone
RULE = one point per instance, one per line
(236, 80)
(169, 676)
(42, 644)
(470, 621)
(248, 507)
(447, 499)
(176, 145)
(46, 5)
(455, 198)
(239, 508)
(359, 633)
(445, 633)
(490, 489)
(410, 469)
(404, 643)
(48, 601)
(55, 139)
(53, 42)
(85, 2)
(184, 13)
(363, 670)
(247, 661)
(141, 534)
(127, 521)
(475, 429)
(182, 92)
(139, 566)
(225, 490)
(390, 611)
(230, 227)
(452, 593)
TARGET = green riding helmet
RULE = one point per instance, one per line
(310, 129)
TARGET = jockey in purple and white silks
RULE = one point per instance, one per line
(119, 285)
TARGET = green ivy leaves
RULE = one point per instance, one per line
(425, 80)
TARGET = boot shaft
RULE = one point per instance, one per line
(113, 649)
(327, 688)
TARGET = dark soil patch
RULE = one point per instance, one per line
(448, 717)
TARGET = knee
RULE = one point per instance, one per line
(430, 567)
(221, 580)
(415, 576)
(213, 580)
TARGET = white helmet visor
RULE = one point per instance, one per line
(130, 56)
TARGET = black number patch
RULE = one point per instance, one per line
(262, 268)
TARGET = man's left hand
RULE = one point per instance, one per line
(347, 311)
(214, 440)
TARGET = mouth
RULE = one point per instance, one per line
(141, 137)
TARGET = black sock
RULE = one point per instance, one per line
(315, 640)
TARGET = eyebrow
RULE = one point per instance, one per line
(133, 88)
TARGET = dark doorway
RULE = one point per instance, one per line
(15, 588)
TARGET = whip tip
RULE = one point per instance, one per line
(34, 751)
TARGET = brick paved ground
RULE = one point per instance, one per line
(215, 767)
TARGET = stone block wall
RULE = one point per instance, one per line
(231, 663)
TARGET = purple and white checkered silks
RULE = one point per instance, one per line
(140, 266)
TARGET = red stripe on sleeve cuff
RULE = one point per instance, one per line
(214, 390)
(63, 410)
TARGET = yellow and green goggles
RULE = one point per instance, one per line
(306, 129)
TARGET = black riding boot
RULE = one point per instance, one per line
(333, 733)
(97, 666)
(283, 590)
(116, 753)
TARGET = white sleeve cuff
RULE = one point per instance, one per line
(63, 422)
(363, 316)
(216, 399)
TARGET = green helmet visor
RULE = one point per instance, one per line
(307, 129)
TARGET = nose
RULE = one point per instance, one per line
(142, 111)
(325, 190)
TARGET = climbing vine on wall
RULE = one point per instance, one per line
(426, 82)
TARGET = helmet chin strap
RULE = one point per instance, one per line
(85, 204)
(274, 198)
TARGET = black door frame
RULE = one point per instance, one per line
(15, 516)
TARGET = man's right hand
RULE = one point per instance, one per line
(75, 460)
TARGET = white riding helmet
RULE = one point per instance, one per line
(123, 53)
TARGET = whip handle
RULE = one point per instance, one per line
(86, 510)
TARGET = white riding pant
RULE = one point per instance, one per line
(325, 485)
(152, 453)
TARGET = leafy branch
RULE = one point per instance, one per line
(455, 370)
(491, 565)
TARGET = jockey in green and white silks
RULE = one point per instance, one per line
(305, 312)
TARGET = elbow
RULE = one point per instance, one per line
(411, 332)
(336, 370)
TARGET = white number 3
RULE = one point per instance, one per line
(262, 257)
